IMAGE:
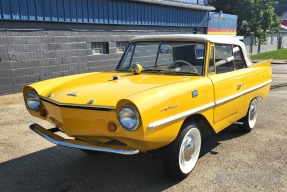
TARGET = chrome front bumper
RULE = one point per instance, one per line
(58, 140)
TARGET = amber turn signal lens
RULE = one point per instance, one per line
(112, 127)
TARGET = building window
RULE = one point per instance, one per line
(100, 48)
(121, 46)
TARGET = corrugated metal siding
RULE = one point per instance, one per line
(101, 12)
(225, 25)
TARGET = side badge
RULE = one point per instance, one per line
(194, 93)
(169, 107)
(74, 94)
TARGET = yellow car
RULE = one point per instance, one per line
(167, 92)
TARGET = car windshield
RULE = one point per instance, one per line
(165, 57)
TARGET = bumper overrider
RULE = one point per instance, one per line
(78, 144)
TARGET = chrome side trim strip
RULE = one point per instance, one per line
(178, 116)
(91, 107)
(62, 142)
(204, 107)
(218, 102)
(256, 87)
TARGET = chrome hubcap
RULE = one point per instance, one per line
(252, 116)
(189, 150)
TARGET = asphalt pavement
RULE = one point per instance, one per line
(279, 69)
(229, 161)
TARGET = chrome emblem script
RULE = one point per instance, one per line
(169, 107)
(74, 94)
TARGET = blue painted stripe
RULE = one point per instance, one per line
(228, 22)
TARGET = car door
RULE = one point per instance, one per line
(253, 77)
(227, 82)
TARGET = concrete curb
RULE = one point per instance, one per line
(273, 62)
(279, 62)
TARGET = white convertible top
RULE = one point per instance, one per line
(222, 39)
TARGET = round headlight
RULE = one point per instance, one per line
(129, 118)
(32, 100)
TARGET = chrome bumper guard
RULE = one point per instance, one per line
(58, 140)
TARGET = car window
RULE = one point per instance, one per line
(169, 57)
(127, 58)
(224, 59)
(239, 61)
(199, 51)
(145, 55)
(165, 54)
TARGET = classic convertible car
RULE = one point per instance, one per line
(167, 92)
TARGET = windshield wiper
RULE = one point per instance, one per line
(152, 70)
(126, 70)
(182, 72)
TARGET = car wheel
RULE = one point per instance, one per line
(249, 120)
(181, 156)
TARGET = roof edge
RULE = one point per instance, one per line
(178, 4)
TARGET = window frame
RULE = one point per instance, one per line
(242, 57)
(234, 68)
(134, 44)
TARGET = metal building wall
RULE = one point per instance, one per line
(273, 42)
(226, 25)
(43, 39)
(102, 12)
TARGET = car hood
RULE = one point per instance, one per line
(103, 90)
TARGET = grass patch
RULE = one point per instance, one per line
(280, 54)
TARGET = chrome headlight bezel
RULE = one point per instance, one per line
(133, 114)
(32, 100)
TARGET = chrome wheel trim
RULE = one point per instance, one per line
(189, 150)
(252, 113)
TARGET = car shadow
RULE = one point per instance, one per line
(278, 86)
(210, 143)
(64, 169)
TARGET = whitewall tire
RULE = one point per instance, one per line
(181, 156)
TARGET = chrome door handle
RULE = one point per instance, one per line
(240, 85)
